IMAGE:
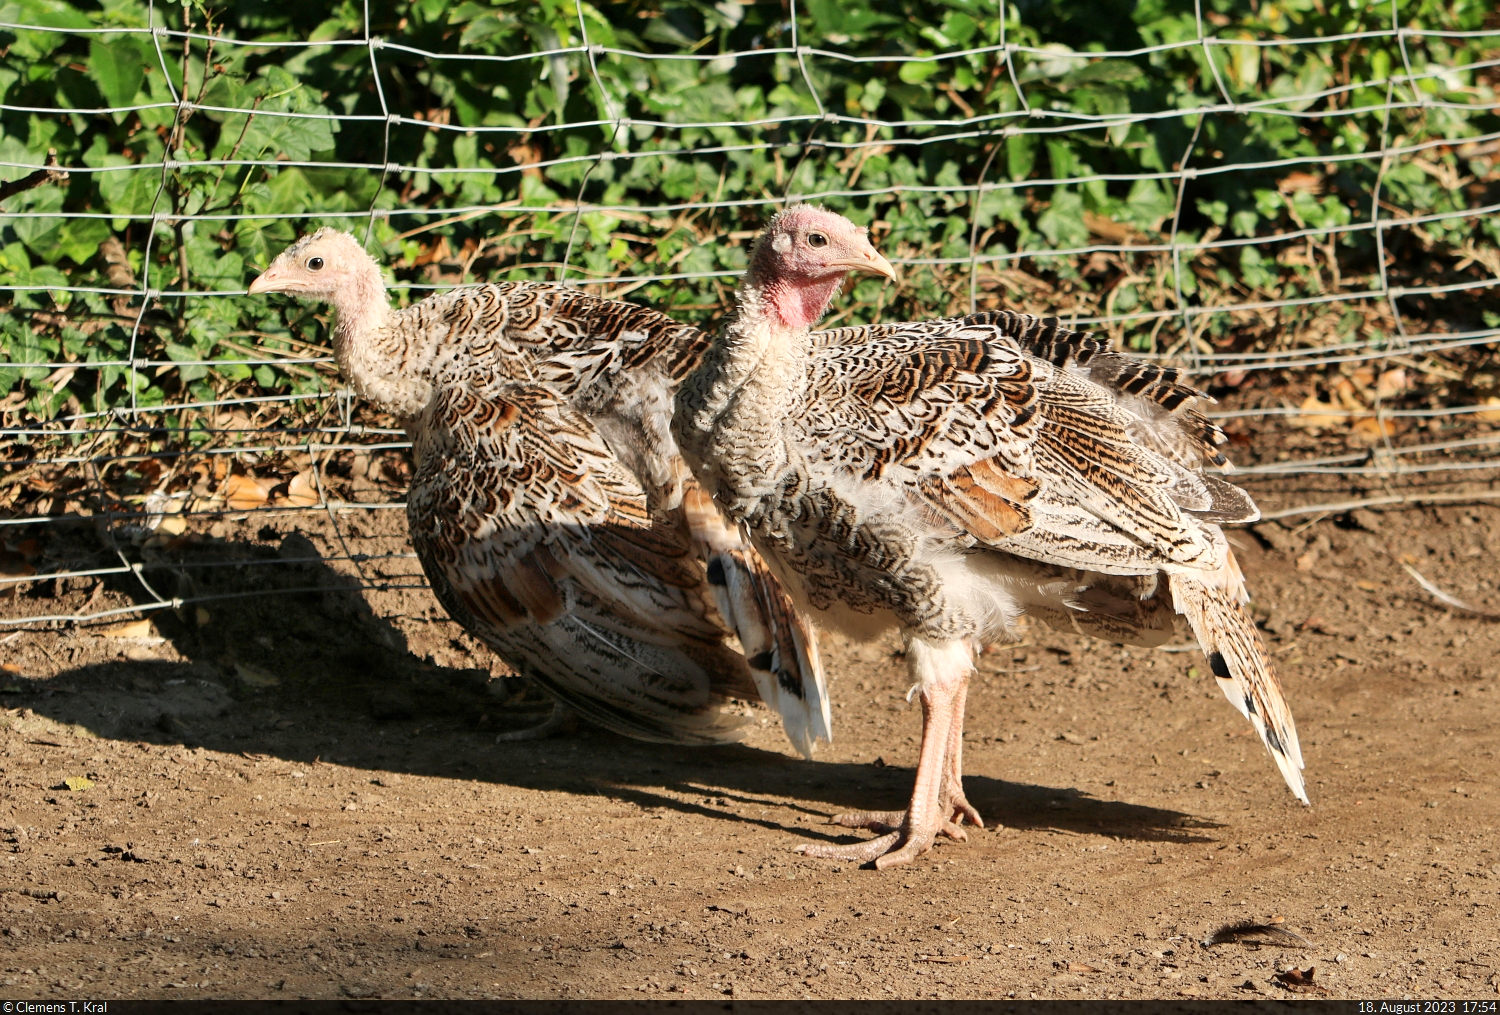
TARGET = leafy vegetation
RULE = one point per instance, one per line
(678, 160)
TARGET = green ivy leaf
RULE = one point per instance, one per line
(79, 239)
(127, 191)
(1020, 155)
(118, 67)
(39, 234)
(185, 354)
(1062, 222)
(32, 46)
(917, 71)
(1255, 270)
(1105, 72)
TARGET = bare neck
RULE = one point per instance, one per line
(761, 356)
(735, 407)
(775, 317)
(385, 364)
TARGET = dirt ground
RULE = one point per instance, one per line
(301, 795)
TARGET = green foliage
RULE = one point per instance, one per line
(528, 137)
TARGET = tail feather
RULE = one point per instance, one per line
(1239, 661)
(642, 691)
(780, 644)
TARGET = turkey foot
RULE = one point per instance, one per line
(938, 806)
(561, 720)
(869, 851)
(959, 811)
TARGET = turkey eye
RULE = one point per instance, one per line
(314, 264)
(817, 240)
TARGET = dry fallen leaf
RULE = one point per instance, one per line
(1107, 228)
(1374, 428)
(1348, 395)
(1299, 981)
(1292, 183)
(1081, 967)
(172, 525)
(302, 491)
(433, 253)
(1392, 383)
(243, 493)
(1491, 414)
(134, 629)
(254, 676)
(1316, 414)
(78, 783)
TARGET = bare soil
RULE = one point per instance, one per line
(301, 795)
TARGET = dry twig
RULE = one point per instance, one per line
(51, 174)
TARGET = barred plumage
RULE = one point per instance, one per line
(549, 507)
(947, 476)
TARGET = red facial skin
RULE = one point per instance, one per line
(802, 259)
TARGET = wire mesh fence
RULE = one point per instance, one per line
(1294, 202)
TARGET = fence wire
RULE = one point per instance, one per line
(186, 431)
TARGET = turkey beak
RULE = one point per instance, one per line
(869, 262)
(265, 282)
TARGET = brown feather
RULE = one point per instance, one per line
(490, 600)
(652, 553)
(532, 586)
(976, 510)
(630, 511)
(996, 480)
(1239, 661)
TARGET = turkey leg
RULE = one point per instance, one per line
(938, 805)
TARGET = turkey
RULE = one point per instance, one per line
(549, 506)
(946, 477)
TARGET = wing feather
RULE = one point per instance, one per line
(985, 515)
(779, 642)
(996, 480)
(979, 415)
(1079, 458)
(536, 536)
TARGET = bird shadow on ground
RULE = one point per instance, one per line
(264, 626)
(739, 772)
(293, 664)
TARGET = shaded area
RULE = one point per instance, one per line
(193, 705)
(263, 627)
(298, 666)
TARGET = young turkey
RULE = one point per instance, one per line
(945, 477)
(549, 506)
